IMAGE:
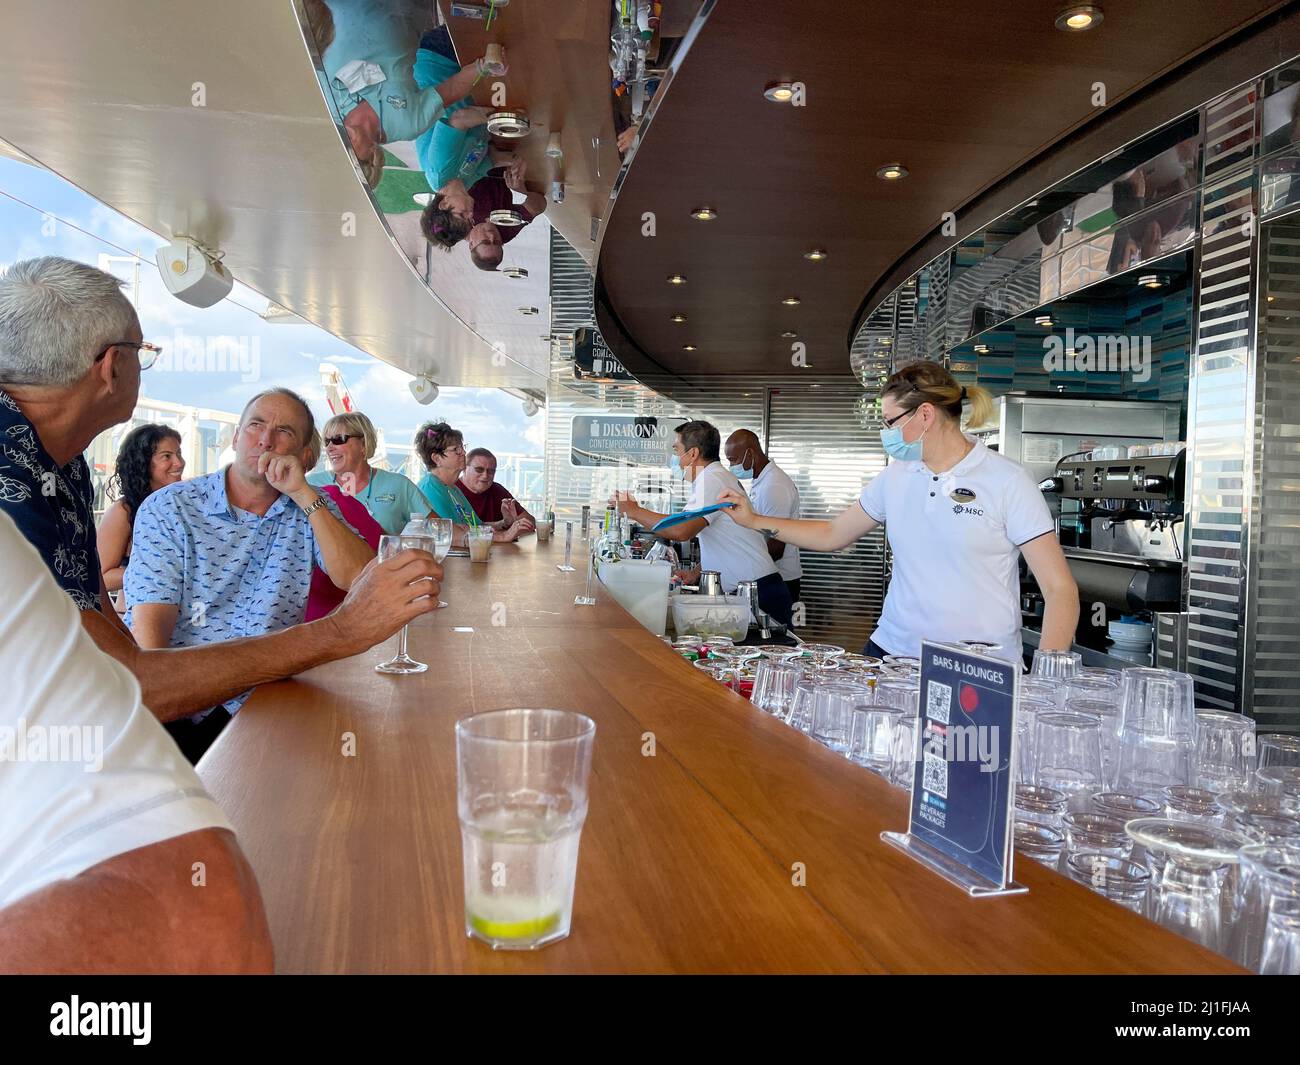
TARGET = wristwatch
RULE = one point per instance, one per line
(308, 511)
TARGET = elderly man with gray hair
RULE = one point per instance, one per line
(71, 355)
(350, 444)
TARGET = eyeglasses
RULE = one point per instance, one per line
(490, 471)
(889, 423)
(339, 441)
(148, 352)
(459, 449)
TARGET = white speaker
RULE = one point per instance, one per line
(423, 389)
(193, 275)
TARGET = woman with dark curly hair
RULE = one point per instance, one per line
(149, 459)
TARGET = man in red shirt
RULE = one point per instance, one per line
(491, 502)
(492, 193)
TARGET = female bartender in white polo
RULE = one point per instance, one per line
(956, 514)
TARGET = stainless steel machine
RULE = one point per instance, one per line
(1113, 473)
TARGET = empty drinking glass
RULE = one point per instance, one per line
(1043, 806)
(1038, 691)
(1225, 746)
(401, 662)
(833, 710)
(1187, 895)
(723, 672)
(1157, 731)
(774, 686)
(1267, 931)
(1068, 752)
(1087, 687)
(875, 732)
(801, 703)
(901, 692)
(1276, 828)
(906, 752)
(1027, 711)
(1087, 830)
(1192, 804)
(1041, 842)
(1112, 876)
(441, 531)
(1106, 711)
(1055, 665)
(1123, 806)
(1278, 770)
(821, 653)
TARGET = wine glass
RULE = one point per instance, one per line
(442, 531)
(401, 662)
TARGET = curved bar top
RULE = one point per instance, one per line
(692, 857)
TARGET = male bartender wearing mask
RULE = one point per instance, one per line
(958, 516)
(771, 491)
(737, 553)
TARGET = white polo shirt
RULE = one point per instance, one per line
(773, 493)
(956, 540)
(739, 554)
(86, 771)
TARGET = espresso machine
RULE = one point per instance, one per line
(1112, 472)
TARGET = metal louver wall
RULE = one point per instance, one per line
(1273, 592)
(810, 424)
(1221, 403)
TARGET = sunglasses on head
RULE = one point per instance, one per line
(339, 441)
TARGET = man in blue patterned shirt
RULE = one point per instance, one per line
(71, 354)
(230, 554)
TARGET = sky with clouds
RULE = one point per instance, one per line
(219, 356)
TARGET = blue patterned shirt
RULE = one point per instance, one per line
(53, 506)
(230, 572)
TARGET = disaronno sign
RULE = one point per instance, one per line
(620, 440)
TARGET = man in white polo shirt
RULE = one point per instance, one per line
(771, 491)
(106, 827)
(737, 553)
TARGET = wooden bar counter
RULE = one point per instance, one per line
(738, 845)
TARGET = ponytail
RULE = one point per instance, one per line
(930, 382)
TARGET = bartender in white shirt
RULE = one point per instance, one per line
(771, 491)
(958, 516)
(737, 553)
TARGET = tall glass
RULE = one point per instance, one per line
(442, 531)
(1225, 750)
(1267, 931)
(874, 735)
(1068, 751)
(1278, 770)
(521, 779)
(479, 540)
(1157, 731)
(833, 709)
(401, 662)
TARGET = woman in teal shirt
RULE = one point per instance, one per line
(350, 443)
(442, 450)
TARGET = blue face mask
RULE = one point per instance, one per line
(675, 465)
(740, 472)
(898, 448)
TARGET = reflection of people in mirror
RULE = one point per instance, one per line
(368, 56)
(494, 193)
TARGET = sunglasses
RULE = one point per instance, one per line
(339, 441)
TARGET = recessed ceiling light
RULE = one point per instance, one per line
(688, 347)
(704, 214)
(981, 349)
(790, 334)
(515, 272)
(892, 172)
(1271, 299)
(791, 301)
(1151, 281)
(528, 312)
(1043, 320)
(816, 255)
(677, 279)
(1079, 17)
(678, 318)
(780, 92)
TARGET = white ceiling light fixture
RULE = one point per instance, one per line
(531, 407)
(1079, 17)
(193, 274)
(423, 389)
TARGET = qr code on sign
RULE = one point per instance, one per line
(938, 700)
(934, 775)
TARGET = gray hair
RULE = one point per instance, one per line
(56, 315)
(354, 423)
